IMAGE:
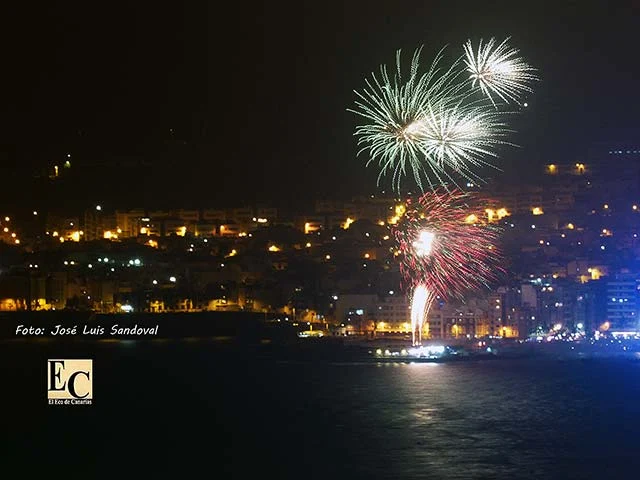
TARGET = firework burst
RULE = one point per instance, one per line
(436, 126)
(497, 69)
(394, 107)
(459, 138)
(460, 257)
(445, 251)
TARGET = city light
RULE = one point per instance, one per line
(399, 211)
(493, 215)
(347, 223)
(502, 212)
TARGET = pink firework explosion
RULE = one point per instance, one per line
(445, 245)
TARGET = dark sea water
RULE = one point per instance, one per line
(173, 409)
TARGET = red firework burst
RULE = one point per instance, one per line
(444, 244)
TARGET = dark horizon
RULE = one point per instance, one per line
(232, 105)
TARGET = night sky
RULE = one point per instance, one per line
(207, 105)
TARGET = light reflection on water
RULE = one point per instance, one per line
(331, 418)
(520, 419)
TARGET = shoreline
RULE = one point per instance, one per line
(321, 350)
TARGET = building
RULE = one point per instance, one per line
(393, 314)
(356, 312)
(622, 303)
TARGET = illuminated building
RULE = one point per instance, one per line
(213, 215)
(205, 229)
(187, 216)
(448, 321)
(269, 213)
(230, 230)
(175, 226)
(242, 216)
(622, 302)
(129, 222)
(356, 312)
(312, 224)
(393, 311)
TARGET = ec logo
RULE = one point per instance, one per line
(70, 382)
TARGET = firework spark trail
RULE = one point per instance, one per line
(437, 126)
(420, 304)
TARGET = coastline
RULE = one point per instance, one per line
(245, 333)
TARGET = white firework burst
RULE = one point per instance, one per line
(497, 69)
(395, 108)
(459, 138)
(434, 125)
